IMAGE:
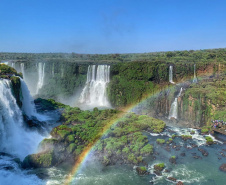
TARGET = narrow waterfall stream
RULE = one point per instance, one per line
(174, 106)
(171, 74)
(41, 76)
(28, 102)
(22, 69)
(195, 78)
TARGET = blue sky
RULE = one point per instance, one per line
(111, 26)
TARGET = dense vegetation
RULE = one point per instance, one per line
(205, 101)
(126, 142)
(175, 56)
(133, 76)
(132, 81)
(7, 71)
(82, 128)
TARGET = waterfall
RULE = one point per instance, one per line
(13, 137)
(22, 69)
(181, 89)
(174, 107)
(195, 78)
(94, 92)
(13, 65)
(171, 74)
(41, 76)
(28, 105)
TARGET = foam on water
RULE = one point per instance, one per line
(186, 175)
(15, 175)
(214, 139)
(154, 134)
(199, 139)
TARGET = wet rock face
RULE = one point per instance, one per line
(223, 167)
(34, 124)
(16, 89)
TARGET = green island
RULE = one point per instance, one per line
(124, 141)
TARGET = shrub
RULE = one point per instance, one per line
(185, 137)
(204, 130)
(173, 136)
(161, 165)
(147, 149)
(160, 141)
(209, 140)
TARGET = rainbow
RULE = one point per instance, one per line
(85, 154)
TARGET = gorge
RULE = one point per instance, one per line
(160, 112)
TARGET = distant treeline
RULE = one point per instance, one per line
(207, 55)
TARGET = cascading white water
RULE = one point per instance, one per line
(171, 74)
(28, 103)
(41, 76)
(174, 107)
(195, 78)
(13, 137)
(181, 89)
(22, 69)
(94, 92)
(13, 65)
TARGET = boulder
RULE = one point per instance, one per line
(142, 170)
(197, 157)
(172, 160)
(39, 160)
(172, 179)
(180, 183)
(158, 173)
(158, 169)
(204, 152)
(167, 170)
(223, 167)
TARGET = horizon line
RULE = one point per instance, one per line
(108, 53)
